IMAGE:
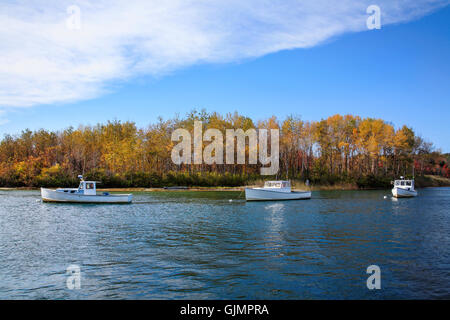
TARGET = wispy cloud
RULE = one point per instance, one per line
(42, 61)
(3, 120)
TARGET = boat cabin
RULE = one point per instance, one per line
(277, 184)
(87, 188)
(281, 186)
(404, 184)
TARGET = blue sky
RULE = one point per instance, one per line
(399, 73)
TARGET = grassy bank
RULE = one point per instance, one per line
(431, 181)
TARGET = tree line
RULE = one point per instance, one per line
(339, 149)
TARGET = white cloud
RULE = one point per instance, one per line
(42, 61)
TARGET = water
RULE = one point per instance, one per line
(201, 245)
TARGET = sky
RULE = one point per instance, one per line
(138, 60)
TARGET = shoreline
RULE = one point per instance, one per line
(214, 189)
(426, 181)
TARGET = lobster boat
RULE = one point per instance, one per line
(85, 193)
(404, 189)
(275, 190)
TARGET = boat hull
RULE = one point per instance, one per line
(269, 195)
(403, 193)
(49, 195)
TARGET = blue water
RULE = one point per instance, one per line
(201, 245)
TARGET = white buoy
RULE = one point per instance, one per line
(231, 200)
(385, 197)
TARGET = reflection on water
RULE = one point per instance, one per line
(201, 245)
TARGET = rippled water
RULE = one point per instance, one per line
(201, 245)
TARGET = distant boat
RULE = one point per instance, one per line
(404, 188)
(275, 190)
(85, 193)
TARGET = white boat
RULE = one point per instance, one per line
(275, 190)
(404, 188)
(85, 193)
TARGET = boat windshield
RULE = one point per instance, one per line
(407, 183)
(271, 184)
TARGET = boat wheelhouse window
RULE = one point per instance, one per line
(403, 183)
(89, 186)
(273, 185)
(408, 183)
(397, 183)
